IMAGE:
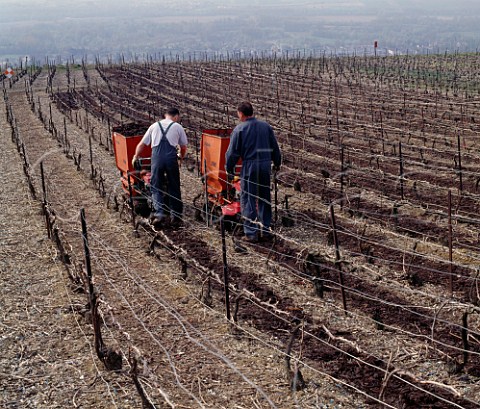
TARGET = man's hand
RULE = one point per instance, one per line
(134, 160)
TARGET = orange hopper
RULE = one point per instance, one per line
(125, 140)
(212, 156)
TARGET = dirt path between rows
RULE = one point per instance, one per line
(47, 356)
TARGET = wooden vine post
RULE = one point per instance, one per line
(92, 170)
(86, 249)
(65, 139)
(225, 270)
(459, 163)
(110, 358)
(401, 168)
(44, 190)
(50, 121)
(450, 244)
(337, 257)
(342, 174)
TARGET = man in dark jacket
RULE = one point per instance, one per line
(254, 142)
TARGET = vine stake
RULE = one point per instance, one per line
(337, 258)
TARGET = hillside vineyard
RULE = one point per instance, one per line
(368, 295)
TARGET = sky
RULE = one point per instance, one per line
(14, 10)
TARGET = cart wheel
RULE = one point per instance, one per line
(232, 223)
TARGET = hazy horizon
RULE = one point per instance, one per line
(62, 28)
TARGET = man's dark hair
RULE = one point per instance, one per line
(172, 111)
(245, 108)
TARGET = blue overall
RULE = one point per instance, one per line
(165, 172)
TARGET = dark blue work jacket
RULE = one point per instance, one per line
(253, 141)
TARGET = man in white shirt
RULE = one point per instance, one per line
(164, 136)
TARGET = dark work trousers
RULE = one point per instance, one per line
(165, 172)
(255, 197)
